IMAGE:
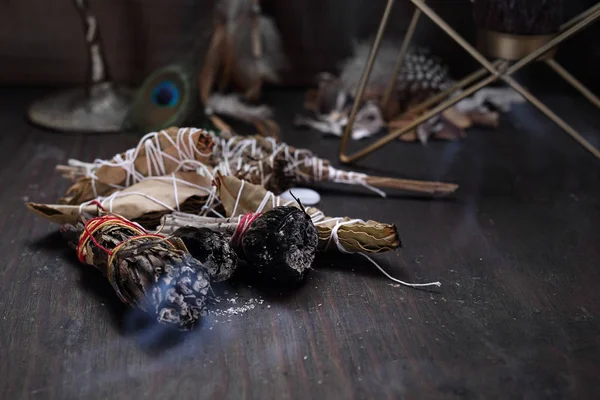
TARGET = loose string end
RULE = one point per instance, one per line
(413, 285)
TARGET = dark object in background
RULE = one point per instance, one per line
(42, 48)
(280, 244)
(212, 249)
(242, 52)
(519, 17)
(245, 51)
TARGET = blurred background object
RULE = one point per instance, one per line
(96, 106)
(141, 36)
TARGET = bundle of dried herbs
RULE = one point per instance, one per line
(278, 166)
(342, 234)
(263, 161)
(148, 271)
(157, 154)
(279, 244)
(145, 202)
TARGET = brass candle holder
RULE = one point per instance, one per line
(511, 52)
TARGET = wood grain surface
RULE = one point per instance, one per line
(517, 252)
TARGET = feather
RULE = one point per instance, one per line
(232, 106)
(247, 68)
(167, 98)
(245, 51)
(420, 73)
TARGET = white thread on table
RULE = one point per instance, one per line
(336, 240)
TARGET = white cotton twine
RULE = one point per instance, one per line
(232, 162)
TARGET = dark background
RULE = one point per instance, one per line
(41, 41)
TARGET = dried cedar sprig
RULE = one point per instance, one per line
(148, 271)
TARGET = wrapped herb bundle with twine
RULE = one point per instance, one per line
(346, 235)
(278, 166)
(157, 154)
(144, 203)
(149, 271)
(264, 161)
(187, 192)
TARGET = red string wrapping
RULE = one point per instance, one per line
(93, 225)
(97, 203)
(243, 227)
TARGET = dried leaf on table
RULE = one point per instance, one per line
(457, 118)
(410, 136)
(144, 202)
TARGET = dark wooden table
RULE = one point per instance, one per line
(517, 251)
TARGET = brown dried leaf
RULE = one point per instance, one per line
(144, 201)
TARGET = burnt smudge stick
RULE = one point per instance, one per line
(153, 273)
(279, 244)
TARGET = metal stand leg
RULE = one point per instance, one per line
(568, 29)
(364, 79)
(401, 55)
(552, 116)
(573, 82)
